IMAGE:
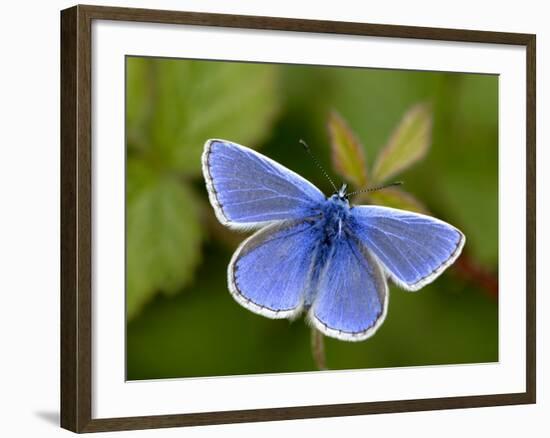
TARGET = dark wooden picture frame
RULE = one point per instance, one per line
(76, 218)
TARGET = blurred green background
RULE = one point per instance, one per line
(181, 319)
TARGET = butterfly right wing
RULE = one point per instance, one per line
(270, 272)
(248, 190)
(414, 249)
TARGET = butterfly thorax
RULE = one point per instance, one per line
(334, 215)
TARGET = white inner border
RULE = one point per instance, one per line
(113, 397)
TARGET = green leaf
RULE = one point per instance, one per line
(197, 100)
(138, 100)
(395, 198)
(348, 155)
(408, 143)
(163, 236)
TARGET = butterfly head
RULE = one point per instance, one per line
(342, 192)
(341, 195)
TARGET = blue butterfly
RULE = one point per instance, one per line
(316, 254)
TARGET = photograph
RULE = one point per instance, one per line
(291, 218)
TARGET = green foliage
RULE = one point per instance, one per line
(409, 143)
(139, 99)
(348, 155)
(189, 102)
(163, 236)
(173, 107)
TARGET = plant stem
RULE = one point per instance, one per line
(471, 271)
(318, 349)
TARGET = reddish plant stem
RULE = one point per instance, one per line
(468, 269)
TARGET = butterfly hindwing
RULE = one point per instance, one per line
(352, 293)
(413, 248)
(270, 271)
(249, 190)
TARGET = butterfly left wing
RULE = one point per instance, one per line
(249, 190)
(413, 248)
(271, 270)
(352, 293)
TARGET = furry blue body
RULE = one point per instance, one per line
(331, 223)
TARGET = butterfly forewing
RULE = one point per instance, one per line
(249, 190)
(413, 248)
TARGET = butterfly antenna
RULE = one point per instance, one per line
(308, 150)
(374, 189)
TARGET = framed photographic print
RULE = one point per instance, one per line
(242, 196)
